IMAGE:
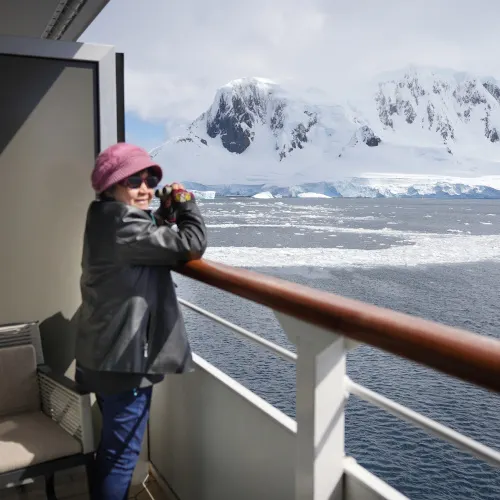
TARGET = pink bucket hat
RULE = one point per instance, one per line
(118, 162)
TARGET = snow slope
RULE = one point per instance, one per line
(416, 132)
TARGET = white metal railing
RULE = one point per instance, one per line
(257, 339)
(457, 439)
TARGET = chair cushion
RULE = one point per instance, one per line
(19, 390)
(32, 438)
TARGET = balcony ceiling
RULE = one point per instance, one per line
(54, 19)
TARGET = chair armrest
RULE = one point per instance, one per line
(62, 380)
(65, 403)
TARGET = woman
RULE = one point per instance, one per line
(130, 330)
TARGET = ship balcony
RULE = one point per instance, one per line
(209, 437)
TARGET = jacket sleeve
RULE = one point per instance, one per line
(141, 242)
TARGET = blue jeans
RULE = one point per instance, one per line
(124, 420)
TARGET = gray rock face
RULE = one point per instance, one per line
(299, 134)
(238, 113)
(493, 89)
(369, 137)
(445, 100)
(229, 125)
(235, 118)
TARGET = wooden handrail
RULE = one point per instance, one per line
(468, 356)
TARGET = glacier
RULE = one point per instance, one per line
(416, 132)
(203, 194)
(359, 188)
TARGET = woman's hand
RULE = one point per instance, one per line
(166, 193)
(170, 195)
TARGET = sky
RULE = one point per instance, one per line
(178, 52)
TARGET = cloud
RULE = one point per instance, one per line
(178, 53)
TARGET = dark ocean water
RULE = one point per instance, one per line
(432, 258)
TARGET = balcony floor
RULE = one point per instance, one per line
(72, 485)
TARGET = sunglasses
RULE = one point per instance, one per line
(135, 181)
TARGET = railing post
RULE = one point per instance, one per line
(320, 405)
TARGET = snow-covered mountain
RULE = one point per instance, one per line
(416, 132)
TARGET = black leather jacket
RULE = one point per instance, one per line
(130, 320)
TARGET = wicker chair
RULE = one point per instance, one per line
(45, 420)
